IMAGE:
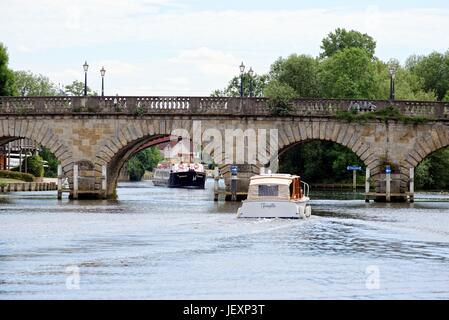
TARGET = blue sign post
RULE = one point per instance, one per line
(354, 170)
(387, 169)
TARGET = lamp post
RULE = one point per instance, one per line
(242, 70)
(392, 71)
(86, 67)
(102, 72)
(250, 73)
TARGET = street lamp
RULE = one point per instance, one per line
(242, 70)
(392, 71)
(102, 72)
(251, 73)
(86, 67)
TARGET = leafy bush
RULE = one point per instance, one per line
(16, 175)
(385, 114)
(51, 170)
(35, 165)
(135, 169)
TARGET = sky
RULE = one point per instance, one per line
(185, 48)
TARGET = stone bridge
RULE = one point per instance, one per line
(93, 137)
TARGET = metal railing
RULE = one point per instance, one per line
(305, 188)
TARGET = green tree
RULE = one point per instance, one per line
(300, 72)
(408, 86)
(342, 39)
(135, 169)
(433, 172)
(349, 73)
(51, 170)
(149, 157)
(259, 82)
(144, 160)
(35, 165)
(76, 88)
(422, 175)
(7, 87)
(433, 70)
(30, 84)
(319, 162)
(446, 97)
(280, 96)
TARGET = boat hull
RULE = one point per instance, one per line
(275, 209)
(189, 179)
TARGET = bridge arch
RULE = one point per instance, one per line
(131, 138)
(349, 135)
(435, 139)
(41, 132)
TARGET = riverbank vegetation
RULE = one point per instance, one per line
(7, 174)
(144, 160)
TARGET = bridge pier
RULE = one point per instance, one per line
(390, 187)
(85, 182)
(245, 172)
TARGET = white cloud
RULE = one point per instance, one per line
(208, 61)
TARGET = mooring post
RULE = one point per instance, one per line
(233, 188)
(354, 180)
(388, 187)
(367, 177)
(59, 182)
(216, 183)
(104, 179)
(234, 170)
(75, 181)
(412, 185)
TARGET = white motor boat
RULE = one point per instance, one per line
(276, 196)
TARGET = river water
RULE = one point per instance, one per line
(158, 243)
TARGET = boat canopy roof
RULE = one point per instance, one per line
(272, 179)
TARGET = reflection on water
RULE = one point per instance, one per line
(173, 243)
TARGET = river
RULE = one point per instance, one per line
(158, 243)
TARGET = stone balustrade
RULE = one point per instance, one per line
(139, 106)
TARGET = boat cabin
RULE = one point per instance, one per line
(275, 187)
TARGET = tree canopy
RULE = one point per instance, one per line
(258, 83)
(349, 73)
(30, 84)
(76, 88)
(300, 72)
(342, 39)
(7, 87)
(433, 69)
